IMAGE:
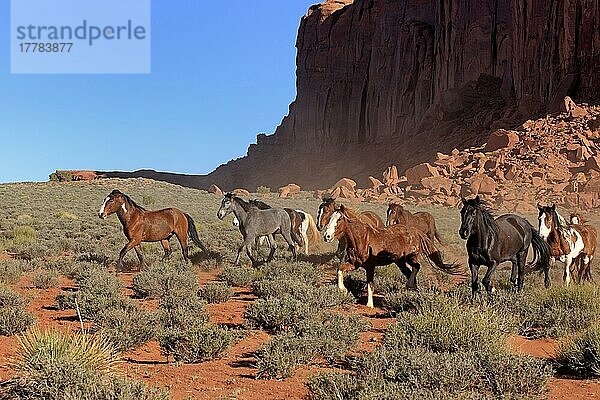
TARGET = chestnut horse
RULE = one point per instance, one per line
(369, 247)
(423, 221)
(572, 244)
(141, 225)
(326, 210)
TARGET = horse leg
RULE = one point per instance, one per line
(513, 273)
(124, 251)
(166, 245)
(521, 260)
(340, 280)
(182, 238)
(272, 245)
(291, 246)
(487, 279)
(403, 268)
(370, 276)
(305, 239)
(567, 273)
(247, 245)
(138, 251)
(412, 280)
(474, 279)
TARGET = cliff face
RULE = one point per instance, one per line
(383, 82)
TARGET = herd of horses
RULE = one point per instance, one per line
(365, 241)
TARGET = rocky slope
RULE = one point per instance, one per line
(383, 82)
(555, 159)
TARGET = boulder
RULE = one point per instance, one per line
(289, 190)
(390, 176)
(593, 186)
(571, 108)
(501, 139)
(438, 184)
(416, 174)
(345, 183)
(593, 163)
(376, 184)
(482, 184)
(241, 192)
(214, 189)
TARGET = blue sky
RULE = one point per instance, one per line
(221, 73)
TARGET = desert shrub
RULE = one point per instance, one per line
(98, 293)
(239, 276)
(440, 350)
(263, 190)
(409, 300)
(45, 279)
(22, 235)
(53, 366)
(65, 300)
(65, 215)
(215, 292)
(196, 343)
(277, 313)
(316, 296)
(580, 354)
(159, 279)
(555, 312)
(128, 327)
(10, 272)
(61, 176)
(13, 316)
(327, 335)
(148, 200)
(281, 270)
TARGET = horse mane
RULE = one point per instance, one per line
(245, 205)
(133, 203)
(561, 224)
(486, 213)
(328, 200)
(259, 204)
(395, 206)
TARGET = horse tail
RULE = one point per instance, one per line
(434, 256)
(436, 233)
(193, 233)
(541, 253)
(314, 232)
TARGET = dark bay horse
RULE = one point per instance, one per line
(326, 210)
(492, 241)
(255, 223)
(423, 221)
(572, 243)
(368, 247)
(141, 225)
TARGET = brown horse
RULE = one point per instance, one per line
(141, 225)
(368, 247)
(326, 210)
(423, 221)
(573, 244)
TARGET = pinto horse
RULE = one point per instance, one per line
(423, 221)
(141, 225)
(368, 247)
(573, 244)
(493, 241)
(326, 210)
(301, 221)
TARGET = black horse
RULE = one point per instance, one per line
(492, 241)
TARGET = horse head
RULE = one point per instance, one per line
(333, 227)
(546, 220)
(467, 215)
(326, 210)
(112, 203)
(393, 212)
(226, 205)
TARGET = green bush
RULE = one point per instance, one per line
(148, 200)
(10, 272)
(580, 354)
(13, 316)
(263, 190)
(127, 328)
(277, 313)
(162, 277)
(239, 276)
(61, 176)
(215, 292)
(195, 344)
(45, 279)
(22, 235)
(327, 335)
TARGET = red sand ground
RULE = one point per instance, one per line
(234, 375)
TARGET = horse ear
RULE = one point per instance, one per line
(342, 208)
(477, 199)
(462, 198)
(539, 206)
(553, 207)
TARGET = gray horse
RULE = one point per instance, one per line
(255, 223)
